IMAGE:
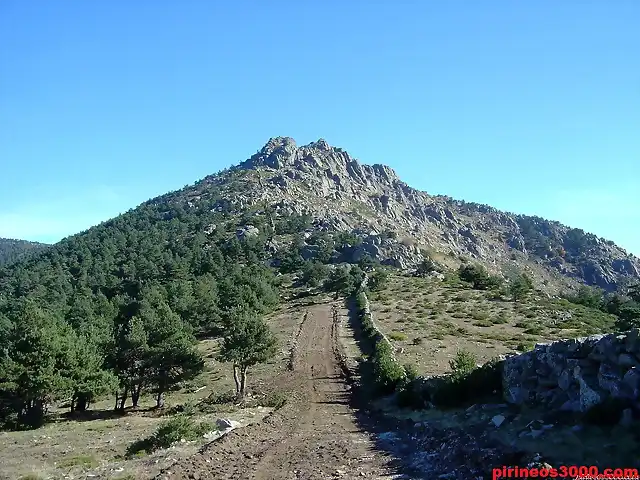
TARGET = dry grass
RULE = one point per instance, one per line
(430, 320)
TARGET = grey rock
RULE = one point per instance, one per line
(564, 380)
(498, 420)
(627, 360)
(632, 380)
(247, 231)
(632, 341)
(574, 375)
(589, 395)
(224, 423)
(627, 417)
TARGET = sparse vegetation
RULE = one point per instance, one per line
(276, 400)
(398, 336)
(169, 432)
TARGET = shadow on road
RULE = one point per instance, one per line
(391, 437)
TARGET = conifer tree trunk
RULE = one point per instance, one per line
(243, 381)
(236, 379)
(82, 402)
(135, 395)
(123, 400)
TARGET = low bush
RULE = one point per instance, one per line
(478, 277)
(525, 346)
(499, 320)
(169, 432)
(398, 336)
(463, 363)
(275, 400)
(221, 398)
(469, 384)
(483, 323)
(387, 372)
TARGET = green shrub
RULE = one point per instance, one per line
(478, 277)
(479, 315)
(387, 372)
(275, 400)
(397, 336)
(467, 384)
(463, 363)
(525, 346)
(173, 430)
(169, 432)
(411, 372)
(314, 273)
(483, 323)
(534, 330)
(87, 461)
(221, 398)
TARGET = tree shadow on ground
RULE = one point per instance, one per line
(108, 414)
(390, 436)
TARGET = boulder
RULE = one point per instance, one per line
(247, 231)
(226, 424)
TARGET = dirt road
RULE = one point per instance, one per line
(314, 436)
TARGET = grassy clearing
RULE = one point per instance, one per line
(430, 320)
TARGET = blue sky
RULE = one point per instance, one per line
(531, 107)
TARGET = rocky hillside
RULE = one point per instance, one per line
(11, 250)
(398, 225)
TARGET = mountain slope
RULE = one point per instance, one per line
(12, 250)
(249, 213)
(103, 305)
(343, 194)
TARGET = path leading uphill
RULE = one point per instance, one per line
(314, 436)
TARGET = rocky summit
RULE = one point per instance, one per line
(400, 225)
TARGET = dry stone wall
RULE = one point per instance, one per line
(577, 374)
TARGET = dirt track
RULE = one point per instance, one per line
(314, 436)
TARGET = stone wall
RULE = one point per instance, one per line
(575, 375)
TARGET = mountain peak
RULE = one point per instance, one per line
(317, 158)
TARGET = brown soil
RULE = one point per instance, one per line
(314, 436)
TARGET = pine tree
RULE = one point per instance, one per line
(29, 375)
(172, 356)
(520, 286)
(247, 342)
(127, 357)
(82, 366)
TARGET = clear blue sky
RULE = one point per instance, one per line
(531, 107)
